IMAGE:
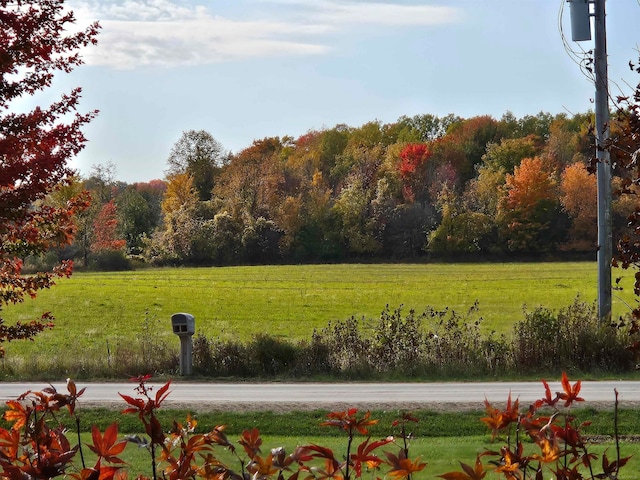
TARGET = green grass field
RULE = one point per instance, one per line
(100, 310)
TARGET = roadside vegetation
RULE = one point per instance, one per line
(324, 321)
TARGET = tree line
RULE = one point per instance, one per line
(443, 187)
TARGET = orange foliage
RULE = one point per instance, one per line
(530, 183)
(579, 191)
(579, 194)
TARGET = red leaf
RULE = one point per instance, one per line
(107, 446)
(570, 393)
(162, 393)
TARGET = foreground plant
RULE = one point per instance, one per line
(36, 445)
(185, 454)
(541, 440)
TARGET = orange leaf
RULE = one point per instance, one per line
(570, 393)
(469, 473)
(401, 466)
(16, 414)
(251, 442)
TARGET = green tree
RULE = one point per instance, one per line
(482, 193)
(200, 155)
(424, 128)
(359, 228)
(509, 152)
(136, 219)
(460, 231)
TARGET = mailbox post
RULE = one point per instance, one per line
(184, 325)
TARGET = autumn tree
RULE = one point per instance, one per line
(529, 207)
(579, 199)
(414, 175)
(249, 186)
(35, 147)
(61, 197)
(102, 187)
(174, 240)
(625, 154)
(465, 143)
(106, 228)
(200, 155)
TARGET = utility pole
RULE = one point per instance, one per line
(581, 30)
(605, 243)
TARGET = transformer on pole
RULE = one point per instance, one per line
(581, 30)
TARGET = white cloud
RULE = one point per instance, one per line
(172, 33)
(375, 13)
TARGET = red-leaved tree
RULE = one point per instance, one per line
(412, 157)
(105, 228)
(35, 147)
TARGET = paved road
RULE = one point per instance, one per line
(323, 395)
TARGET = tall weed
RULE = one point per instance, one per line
(572, 339)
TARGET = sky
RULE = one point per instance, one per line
(248, 69)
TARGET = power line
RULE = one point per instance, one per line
(581, 57)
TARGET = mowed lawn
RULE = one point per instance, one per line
(96, 310)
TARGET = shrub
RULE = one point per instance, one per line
(312, 357)
(218, 358)
(270, 356)
(109, 261)
(399, 342)
(456, 340)
(348, 350)
(433, 344)
(572, 339)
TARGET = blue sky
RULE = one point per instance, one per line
(249, 69)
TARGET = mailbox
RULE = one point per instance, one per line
(183, 324)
